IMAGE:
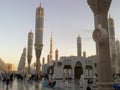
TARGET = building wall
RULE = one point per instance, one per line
(2, 65)
(9, 67)
(58, 70)
(71, 63)
(66, 66)
(73, 67)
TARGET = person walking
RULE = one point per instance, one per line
(88, 88)
(82, 81)
(7, 79)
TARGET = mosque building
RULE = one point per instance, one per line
(72, 66)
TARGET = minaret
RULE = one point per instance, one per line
(112, 40)
(24, 57)
(22, 61)
(56, 55)
(51, 48)
(84, 54)
(100, 10)
(43, 62)
(48, 58)
(30, 47)
(39, 36)
(79, 46)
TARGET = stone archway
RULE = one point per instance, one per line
(78, 70)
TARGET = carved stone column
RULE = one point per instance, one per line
(100, 35)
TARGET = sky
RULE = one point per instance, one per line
(65, 19)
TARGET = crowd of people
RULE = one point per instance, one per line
(47, 80)
(6, 78)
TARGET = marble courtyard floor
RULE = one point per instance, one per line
(20, 85)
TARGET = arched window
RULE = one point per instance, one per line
(89, 70)
(67, 70)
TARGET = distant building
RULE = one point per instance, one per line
(9, 67)
(2, 65)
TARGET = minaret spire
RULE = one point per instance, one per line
(30, 47)
(39, 28)
(79, 46)
(51, 48)
(40, 4)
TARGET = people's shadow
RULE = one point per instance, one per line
(2, 85)
(37, 85)
(20, 84)
(7, 87)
